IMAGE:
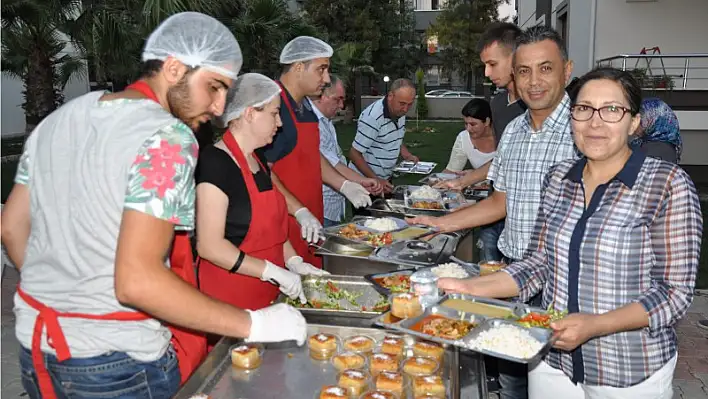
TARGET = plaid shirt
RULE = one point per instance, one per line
(334, 202)
(524, 156)
(638, 240)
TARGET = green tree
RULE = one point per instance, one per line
(384, 27)
(458, 29)
(421, 105)
(263, 28)
(34, 51)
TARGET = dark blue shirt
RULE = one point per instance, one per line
(286, 138)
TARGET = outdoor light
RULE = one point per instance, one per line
(386, 79)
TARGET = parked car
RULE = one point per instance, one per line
(457, 94)
(436, 93)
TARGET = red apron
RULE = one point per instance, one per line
(189, 346)
(265, 238)
(301, 173)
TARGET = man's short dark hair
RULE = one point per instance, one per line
(287, 67)
(504, 33)
(536, 34)
(150, 68)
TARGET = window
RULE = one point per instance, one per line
(434, 5)
(562, 25)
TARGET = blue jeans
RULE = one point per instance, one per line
(488, 238)
(114, 375)
(330, 223)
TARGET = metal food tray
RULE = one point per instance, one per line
(418, 253)
(354, 284)
(360, 221)
(436, 178)
(467, 267)
(341, 247)
(397, 208)
(543, 335)
(482, 323)
(420, 168)
(387, 320)
(517, 309)
(333, 232)
(287, 371)
(380, 288)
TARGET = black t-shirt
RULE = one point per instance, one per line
(286, 138)
(218, 168)
(503, 112)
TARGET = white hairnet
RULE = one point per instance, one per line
(305, 48)
(250, 90)
(197, 40)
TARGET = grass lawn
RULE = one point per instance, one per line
(432, 145)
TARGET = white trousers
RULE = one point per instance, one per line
(547, 382)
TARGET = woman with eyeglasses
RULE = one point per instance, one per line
(616, 244)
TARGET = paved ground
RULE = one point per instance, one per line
(690, 382)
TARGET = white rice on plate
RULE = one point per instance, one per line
(381, 224)
(450, 270)
(507, 340)
(426, 193)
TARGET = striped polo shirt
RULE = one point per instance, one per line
(379, 138)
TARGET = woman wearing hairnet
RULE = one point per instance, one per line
(242, 218)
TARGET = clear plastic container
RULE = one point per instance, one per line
(359, 344)
(430, 386)
(417, 366)
(405, 305)
(349, 360)
(378, 394)
(394, 382)
(332, 392)
(355, 382)
(383, 362)
(424, 283)
(323, 346)
(247, 356)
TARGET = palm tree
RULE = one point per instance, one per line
(262, 28)
(34, 50)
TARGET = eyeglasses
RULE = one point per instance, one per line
(609, 113)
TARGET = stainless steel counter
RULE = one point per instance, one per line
(464, 376)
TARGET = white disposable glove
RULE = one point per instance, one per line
(277, 323)
(310, 227)
(295, 264)
(355, 193)
(289, 282)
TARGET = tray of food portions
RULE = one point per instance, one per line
(491, 327)
(399, 280)
(338, 363)
(420, 168)
(376, 232)
(346, 296)
(436, 178)
(429, 198)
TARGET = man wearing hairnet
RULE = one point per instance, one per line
(298, 168)
(110, 178)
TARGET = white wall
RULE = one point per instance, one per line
(12, 117)
(675, 26)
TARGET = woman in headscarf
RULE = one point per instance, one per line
(658, 135)
(242, 230)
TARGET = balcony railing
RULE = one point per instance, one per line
(429, 5)
(664, 71)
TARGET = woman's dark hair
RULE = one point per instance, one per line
(477, 108)
(629, 85)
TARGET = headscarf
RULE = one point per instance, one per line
(659, 123)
